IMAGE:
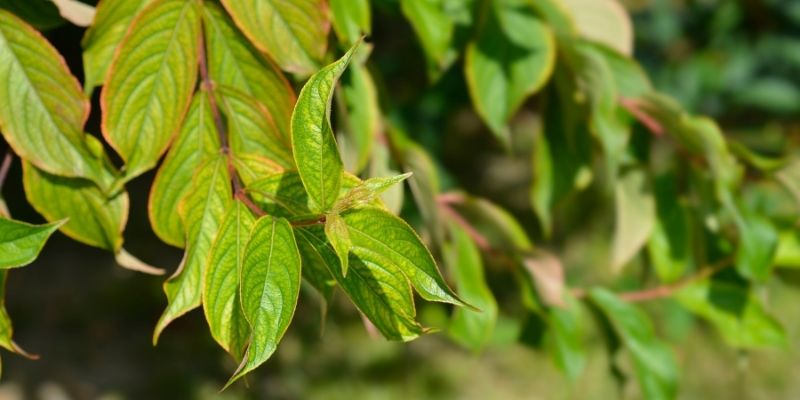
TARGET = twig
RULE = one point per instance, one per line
(633, 107)
(5, 166)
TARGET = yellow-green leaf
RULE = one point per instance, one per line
(270, 285)
(42, 107)
(635, 217)
(603, 21)
(20, 243)
(202, 213)
(351, 19)
(234, 62)
(251, 129)
(221, 296)
(363, 120)
(94, 219)
(196, 142)
(294, 33)
(313, 143)
(151, 82)
(339, 238)
(104, 36)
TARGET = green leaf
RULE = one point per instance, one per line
(367, 192)
(363, 120)
(196, 142)
(511, 59)
(221, 295)
(653, 360)
(313, 143)
(151, 82)
(270, 287)
(251, 167)
(472, 328)
(384, 239)
(496, 225)
(6, 330)
(758, 241)
(316, 266)
(293, 33)
(565, 337)
(635, 217)
(602, 21)
(235, 63)
(104, 36)
(20, 243)
(435, 30)
(670, 244)
(42, 108)
(94, 219)
(351, 19)
(738, 315)
(251, 128)
(380, 166)
(425, 187)
(381, 292)
(202, 213)
(787, 254)
(42, 14)
(339, 237)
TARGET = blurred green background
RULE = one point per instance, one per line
(735, 60)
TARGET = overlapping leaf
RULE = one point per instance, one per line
(351, 19)
(294, 33)
(313, 143)
(635, 217)
(235, 63)
(383, 239)
(363, 117)
(196, 142)
(150, 88)
(94, 219)
(511, 58)
(42, 107)
(202, 213)
(20, 243)
(221, 295)
(380, 291)
(104, 36)
(270, 281)
(251, 129)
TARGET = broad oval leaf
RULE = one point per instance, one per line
(234, 62)
(150, 85)
(202, 213)
(603, 21)
(270, 285)
(380, 292)
(294, 33)
(196, 142)
(20, 243)
(251, 129)
(511, 58)
(104, 35)
(42, 107)
(635, 217)
(654, 361)
(251, 167)
(313, 143)
(94, 219)
(221, 295)
(384, 239)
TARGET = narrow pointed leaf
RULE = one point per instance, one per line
(339, 237)
(565, 339)
(202, 213)
(221, 295)
(471, 328)
(351, 19)
(384, 239)
(382, 293)
(313, 143)
(6, 330)
(654, 361)
(293, 33)
(196, 142)
(235, 63)
(104, 36)
(150, 88)
(368, 191)
(511, 58)
(251, 129)
(270, 287)
(20, 243)
(42, 107)
(94, 219)
(380, 166)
